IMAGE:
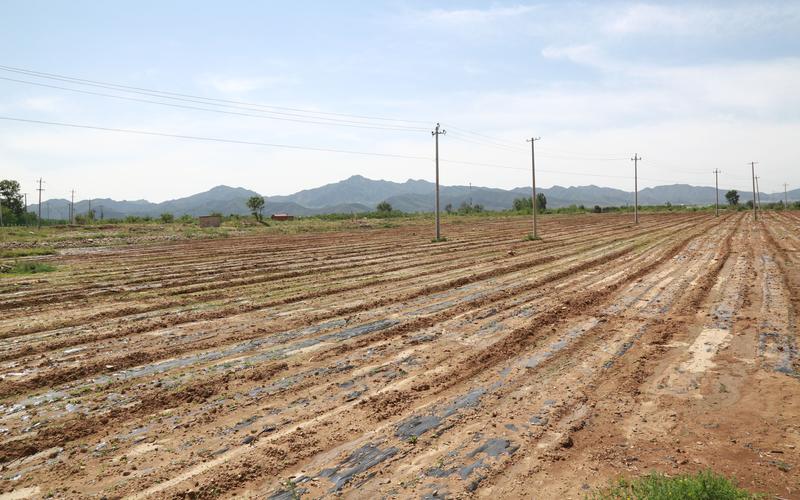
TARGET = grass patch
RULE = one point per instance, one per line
(704, 485)
(24, 252)
(439, 240)
(25, 268)
(530, 237)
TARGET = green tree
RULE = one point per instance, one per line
(256, 206)
(384, 206)
(167, 218)
(541, 202)
(522, 204)
(733, 197)
(11, 198)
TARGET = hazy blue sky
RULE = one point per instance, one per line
(690, 86)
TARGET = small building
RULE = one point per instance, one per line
(209, 220)
(282, 217)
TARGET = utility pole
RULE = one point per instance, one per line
(785, 197)
(72, 207)
(636, 158)
(753, 175)
(39, 218)
(716, 190)
(436, 133)
(48, 210)
(532, 140)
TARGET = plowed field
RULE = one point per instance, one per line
(376, 364)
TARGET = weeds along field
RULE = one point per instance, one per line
(376, 364)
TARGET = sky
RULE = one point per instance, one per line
(688, 86)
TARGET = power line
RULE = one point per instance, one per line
(167, 94)
(485, 137)
(313, 148)
(209, 139)
(339, 123)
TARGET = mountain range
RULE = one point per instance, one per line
(359, 194)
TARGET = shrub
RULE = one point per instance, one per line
(167, 218)
(22, 252)
(701, 486)
(26, 268)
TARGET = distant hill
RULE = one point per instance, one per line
(359, 194)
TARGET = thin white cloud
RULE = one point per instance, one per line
(461, 17)
(240, 85)
(586, 54)
(704, 20)
(40, 103)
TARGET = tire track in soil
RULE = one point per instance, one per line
(620, 394)
(507, 390)
(71, 373)
(551, 317)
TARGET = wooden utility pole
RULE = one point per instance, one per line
(436, 133)
(636, 158)
(532, 140)
(716, 190)
(39, 218)
(753, 175)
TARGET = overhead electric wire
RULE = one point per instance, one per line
(486, 138)
(208, 139)
(283, 146)
(238, 113)
(471, 141)
(175, 95)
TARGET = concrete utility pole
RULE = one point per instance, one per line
(72, 207)
(39, 218)
(716, 190)
(785, 197)
(533, 185)
(753, 175)
(436, 133)
(636, 158)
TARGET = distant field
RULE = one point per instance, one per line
(356, 356)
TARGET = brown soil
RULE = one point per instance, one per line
(376, 364)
